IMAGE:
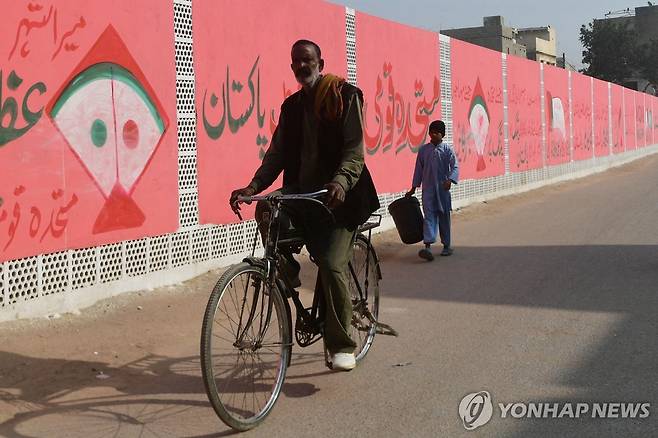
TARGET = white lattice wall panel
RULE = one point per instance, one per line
(158, 253)
(446, 85)
(22, 280)
(180, 249)
(219, 241)
(187, 135)
(185, 96)
(350, 41)
(505, 114)
(54, 273)
(236, 238)
(136, 257)
(189, 210)
(187, 171)
(201, 245)
(186, 115)
(83, 268)
(111, 262)
(183, 19)
(184, 59)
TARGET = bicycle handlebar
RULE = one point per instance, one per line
(312, 196)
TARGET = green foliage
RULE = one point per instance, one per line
(612, 52)
(649, 69)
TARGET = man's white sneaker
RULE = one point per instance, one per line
(343, 361)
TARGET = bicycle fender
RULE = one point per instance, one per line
(257, 262)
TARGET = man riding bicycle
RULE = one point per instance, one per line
(319, 144)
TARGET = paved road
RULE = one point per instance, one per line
(550, 297)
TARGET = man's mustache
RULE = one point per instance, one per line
(305, 72)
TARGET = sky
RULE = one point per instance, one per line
(566, 16)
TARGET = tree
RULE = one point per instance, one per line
(649, 63)
(612, 52)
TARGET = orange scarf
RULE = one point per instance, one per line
(328, 99)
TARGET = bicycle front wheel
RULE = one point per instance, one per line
(364, 291)
(245, 346)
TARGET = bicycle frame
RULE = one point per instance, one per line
(270, 262)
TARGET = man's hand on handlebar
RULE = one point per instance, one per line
(245, 191)
(335, 194)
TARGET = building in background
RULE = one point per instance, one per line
(540, 43)
(493, 35)
(535, 43)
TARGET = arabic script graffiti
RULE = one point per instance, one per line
(59, 38)
(214, 130)
(394, 119)
(37, 225)
(9, 108)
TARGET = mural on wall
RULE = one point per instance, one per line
(239, 89)
(601, 119)
(617, 114)
(629, 119)
(524, 109)
(581, 103)
(113, 122)
(558, 115)
(399, 102)
(477, 108)
(88, 156)
(640, 120)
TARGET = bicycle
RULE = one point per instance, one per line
(246, 340)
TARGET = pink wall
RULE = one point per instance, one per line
(477, 110)
(93, 161)
(617, 103)
(629, 119)
(558, 115)
(601, 119)
(640, 120)
(402, 96)
(241, 86)
(88, 138)
(648, 119)
(581, 104)
(524, 110)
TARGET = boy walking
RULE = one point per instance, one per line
(436, 170)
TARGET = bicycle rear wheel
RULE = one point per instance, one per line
(245, 346)
(364, 289)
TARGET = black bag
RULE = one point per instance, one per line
(408, 219)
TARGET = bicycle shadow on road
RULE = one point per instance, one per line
(146, 397)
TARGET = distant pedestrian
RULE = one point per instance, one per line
(436, 170)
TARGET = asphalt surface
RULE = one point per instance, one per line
(550, 297)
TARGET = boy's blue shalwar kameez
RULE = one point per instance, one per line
(436, 164)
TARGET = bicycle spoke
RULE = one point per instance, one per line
(247, 347)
